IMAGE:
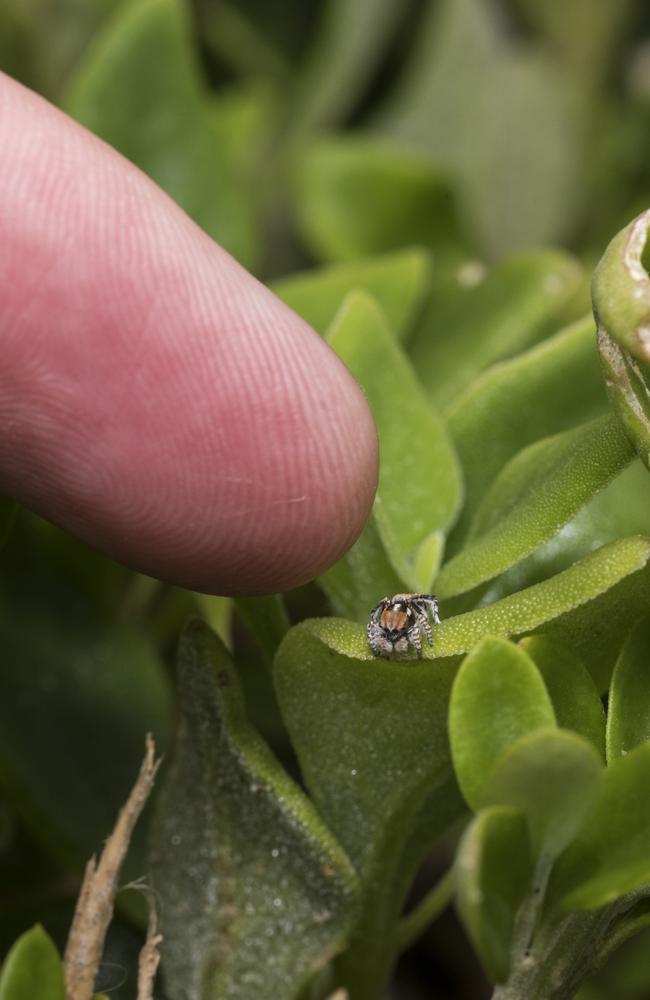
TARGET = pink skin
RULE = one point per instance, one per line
(155, 399)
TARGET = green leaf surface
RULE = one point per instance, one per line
(372, 745)
(497, 697)
(427, 561)
(266, 619)
(358, 195)
(477, 317)
(75, 706)
(539, 490)
(556, 384)
(419, 487)
(256, 895)
(598, 442)
(584, 34)
(234, 38)
(358, 581)
(218, 613)
(628, 712)
(32, 970)
(349, 42)
(604, 595)
(496, 113)
(620, 510)
(40, 44)
(627, 388)
(590, 606)
(140, 89)
(574, 695)
(552, 776)
(621, 289)
(493, 871)
(376, 563)
(426, 912)
(398, 281)
(611, 854)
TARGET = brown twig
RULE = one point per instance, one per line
(94, 908)
(149, 955)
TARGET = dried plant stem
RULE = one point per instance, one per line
(95, 904)
(149, 955)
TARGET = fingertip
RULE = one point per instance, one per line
(158, 401)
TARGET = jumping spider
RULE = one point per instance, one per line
(400, 621)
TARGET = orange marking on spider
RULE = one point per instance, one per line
(399, 622)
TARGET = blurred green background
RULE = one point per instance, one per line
(272, 123)
(299, 135)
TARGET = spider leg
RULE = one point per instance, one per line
(379, 645)
(424, 626)
(415, 638)
(428, 604)
(402, 645)
(377, 610)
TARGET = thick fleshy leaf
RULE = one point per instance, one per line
(81, 684)
(620, 510)
(591, 607)
(478, 318)
(371, 738)
(583, 33)
(628, 391)
(361, 195)
(417, 565)
(539, 490)
(256, 895)
(218, 613)
(398, 281)
(552, 776)
(348, 44)
(557, 384)
(621, 289)
(427, 561)
(596, 630)
(628, 711)
(467, 92)
(32, 970)
(358, 581)
(419, 488)
(38, 56)
(611, 854)
(140, 89)
(419, 481)
(574, 695)
(493, 871)
(266, 619)
(236, 38)
(547, 458)
(497, 697)
(76, 701)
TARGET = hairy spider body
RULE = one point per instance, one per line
(401, 621)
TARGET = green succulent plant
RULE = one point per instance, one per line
(303, 792)
(553, 869)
